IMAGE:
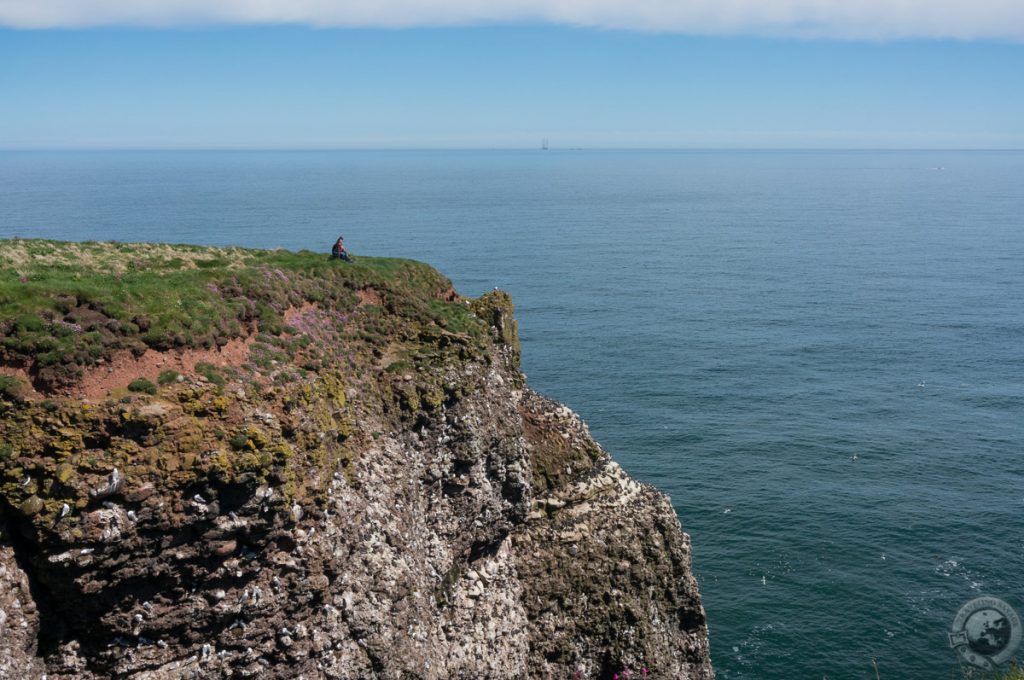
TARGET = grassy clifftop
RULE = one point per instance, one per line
(66, 307)
(173, 359)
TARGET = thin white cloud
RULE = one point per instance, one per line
(848, 19)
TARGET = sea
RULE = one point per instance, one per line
(819, 355)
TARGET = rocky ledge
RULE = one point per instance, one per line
(227, 463)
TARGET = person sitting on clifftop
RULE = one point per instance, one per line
(338, 252)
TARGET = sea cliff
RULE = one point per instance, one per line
(244, 463)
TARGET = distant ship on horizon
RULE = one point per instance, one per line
(544, 144)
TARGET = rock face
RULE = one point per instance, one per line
(377, 495)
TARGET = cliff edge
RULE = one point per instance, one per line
(243, 463)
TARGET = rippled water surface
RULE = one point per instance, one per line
(819, 356)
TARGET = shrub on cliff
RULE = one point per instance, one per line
(11, 387)
(142, 385)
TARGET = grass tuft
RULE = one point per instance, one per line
(11, 387)
(142, 385)
(167, 377)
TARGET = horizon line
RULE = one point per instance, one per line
(328, 149)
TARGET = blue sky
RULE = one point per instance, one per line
(267, 85)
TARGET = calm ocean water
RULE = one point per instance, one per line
(818, 355)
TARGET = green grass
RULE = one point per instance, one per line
(10, 387)
(454, 317)
(142, 385)
(167, 377)
(64, 306)
(211, 373)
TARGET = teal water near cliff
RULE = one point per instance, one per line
(818, 355)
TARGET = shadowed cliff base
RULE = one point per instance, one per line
(227, 462)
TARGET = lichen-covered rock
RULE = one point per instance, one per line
(369, 491)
